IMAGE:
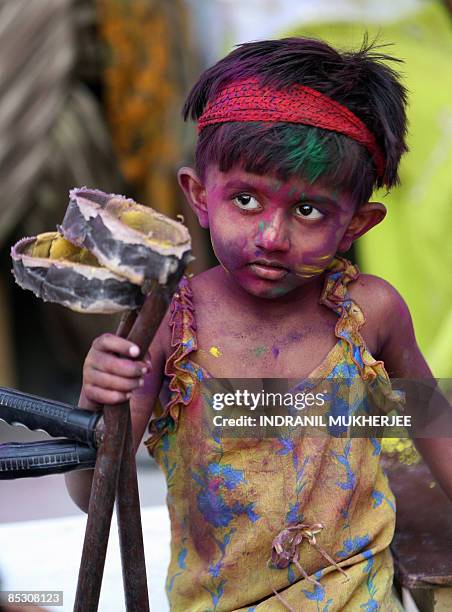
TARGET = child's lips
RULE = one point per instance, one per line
(268, 270)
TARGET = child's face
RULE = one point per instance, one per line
(271, 236)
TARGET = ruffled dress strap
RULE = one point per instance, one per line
(182, 372)
(335, 296)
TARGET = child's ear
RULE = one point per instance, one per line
(195, 194)
(365, 218)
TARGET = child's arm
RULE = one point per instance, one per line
(110, 376)
(403, 359)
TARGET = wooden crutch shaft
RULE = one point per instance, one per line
(130, 530)
(105, 484)
(127, 501)
(100, 510)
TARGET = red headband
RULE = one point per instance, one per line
(248, 101)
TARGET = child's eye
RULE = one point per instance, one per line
(308, 212)
(246, 202)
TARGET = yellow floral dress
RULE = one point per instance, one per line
(273, 524)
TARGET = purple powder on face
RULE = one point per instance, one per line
(295, 336)
(275, 351)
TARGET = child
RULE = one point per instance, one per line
(294, 136)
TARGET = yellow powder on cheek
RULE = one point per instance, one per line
(316, 266)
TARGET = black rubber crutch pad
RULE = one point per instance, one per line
(57, 419)
(31, 459)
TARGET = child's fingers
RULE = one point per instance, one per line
(111, 382)
(103, 396)
(116, 344)
(119, 366)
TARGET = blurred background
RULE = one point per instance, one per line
(91, 93)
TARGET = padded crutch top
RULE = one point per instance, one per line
(107, 248)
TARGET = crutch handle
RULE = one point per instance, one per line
(55, 418)
(24, 460)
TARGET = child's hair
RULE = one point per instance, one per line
(359, 80)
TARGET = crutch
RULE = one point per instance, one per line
(104, 226)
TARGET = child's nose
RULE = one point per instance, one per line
(272, 234)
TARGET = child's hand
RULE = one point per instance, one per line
(111, 371)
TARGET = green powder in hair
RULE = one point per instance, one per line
(307, 154)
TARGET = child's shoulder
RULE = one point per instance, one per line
(382, 306)
(209, 279)
(376, 295)
(194, 287)
(207, 291)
